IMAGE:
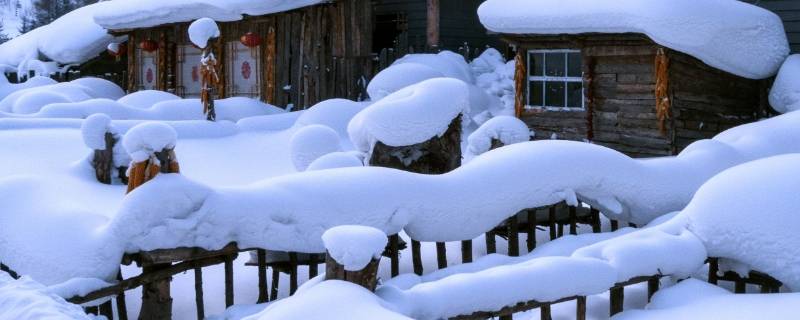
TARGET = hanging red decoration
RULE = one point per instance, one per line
(118, 50)
(148, 45)
(251, 40)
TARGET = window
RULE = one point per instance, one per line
(555, 79)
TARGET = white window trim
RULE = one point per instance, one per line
(546, 78)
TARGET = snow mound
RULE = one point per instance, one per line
(785, 93)
(333, 113)
(506, 129)
(496, 76)
(734, 36)
(354, 247)
(332, 300)
(450, 64)
(311, 142)
(144, 140)
(412, 115)
(32, 100)
(94, 130)
(27, 299)
(7, 88)
(337, 160)
(101, 88)
(399, 76)
(744, 214)
(146, 98)
(203, 30)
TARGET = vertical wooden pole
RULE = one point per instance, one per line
(292, 272)
(198, 293)
(580, 313)
(573, 220)
(652, 287)
(416, 256)
(433, 28)
(156, 299)
(513, 236)
(520, 81)
(506, 317)
(263, 293)
(269, 65)
(596, 226)
(441, 254)
(491, 244)
(713, 269)
(552, 222)
(132, 64)
(545, 312)
(229, 281)
(531, 241)
(466, 251)
(394, 247)
(614, 225)
(276, 278)
(740, 285)
(313, 266)
(122, 308)
(617, 297)
(560, 229)
(107, 310)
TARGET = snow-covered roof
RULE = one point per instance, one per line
(727, 34)
(150, 13)
(73, 38)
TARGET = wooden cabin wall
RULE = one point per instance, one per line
(459, 24)
(789, 11)
(416, 13)
(318, 52)
(706, 101)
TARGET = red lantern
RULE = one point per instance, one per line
(250, 40)
(148, 45)
(120, 50)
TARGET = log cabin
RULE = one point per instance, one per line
(625, 90)
(296, 56)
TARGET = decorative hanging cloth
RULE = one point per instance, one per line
(663, 103)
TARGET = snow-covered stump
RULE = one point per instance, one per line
(354, 254)
(438, 155)
(107, 159)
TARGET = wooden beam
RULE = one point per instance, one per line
(433, 30)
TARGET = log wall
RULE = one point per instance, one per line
(619, 89)
(318, 52)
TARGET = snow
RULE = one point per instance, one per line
(144, 140)
(744, 214)
(29, 99)
(337, 160)
(94, 130)
(506, 129)
(692, 299)
(72, 38)
(354, 247)
(334, 300)
(399, 76)
(150, 13)
(26, 299)
(496, 76)
(202, 30)
(785, 93)
(333, 113)
(101, 88)
(734, 36)
(396, 121)
(448, 63)
(7, 88)
(146, 98)
(309, 143)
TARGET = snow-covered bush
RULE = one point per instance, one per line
(450, 64)
(496, 76)
(354, 246)
(310, 143)
(505, 129)
(333, 113)
(337, 160)
(399, 76)
(785, 93)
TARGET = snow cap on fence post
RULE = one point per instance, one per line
(151, 146)
(354, 253)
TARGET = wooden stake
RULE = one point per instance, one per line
(466, 251)
(713, 269)
(156, 299)
(198, 293)
(614, 225)
(441, 254)
(617, 297)
(581, 308)
(107, 310)
(545, 312)
(122, 308)
(552, 222)
(292, 273)
(531, 241)
(263, 292)
(513, 236)
(596, 225)
(652, 287)
(313, 266)
(394, 247)
(573, 220)
(491, 244)
(416, 256)
(229, 281)
(276, 278)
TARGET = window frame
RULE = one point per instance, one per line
(566, 79)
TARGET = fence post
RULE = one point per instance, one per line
(354, 254)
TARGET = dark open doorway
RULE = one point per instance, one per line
(391, 32)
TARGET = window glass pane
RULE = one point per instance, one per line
(574, 65)
(535, 96)
(556, 64)
(536, 64)
(575, 94)
(554, 94)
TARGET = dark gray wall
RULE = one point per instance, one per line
(789, 11)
